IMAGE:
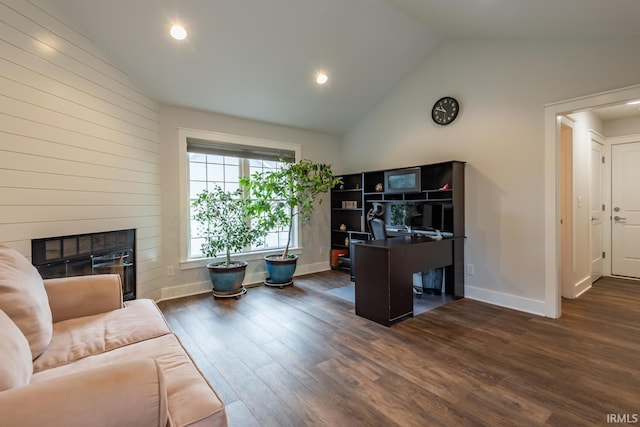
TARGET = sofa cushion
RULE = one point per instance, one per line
(16, 366)
(123, 394)
(77, 338)
(191, 400)
(24, 299)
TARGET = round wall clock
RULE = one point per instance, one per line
(445, 110)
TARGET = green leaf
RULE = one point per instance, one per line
(224, 219)
(276, 197)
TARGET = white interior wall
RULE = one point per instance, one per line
(503, 86)
(79, 147)
(315, 235)
(621, 127)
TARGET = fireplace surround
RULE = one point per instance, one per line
(85, 254)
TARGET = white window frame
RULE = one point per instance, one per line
(217, 137)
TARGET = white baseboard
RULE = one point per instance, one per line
(313, 268)
(582, 286)
(186, 290)
(258, 277)
(528, 305)
(579, 288)
(250, 280)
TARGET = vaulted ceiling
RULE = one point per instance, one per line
(257, 59)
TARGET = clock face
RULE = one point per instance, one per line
(445, 110)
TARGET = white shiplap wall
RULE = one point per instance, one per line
(79, 144)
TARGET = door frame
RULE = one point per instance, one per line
(605, 196)
(553, 306)
(567, 211)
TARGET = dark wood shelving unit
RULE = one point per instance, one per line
(441, 187)
(347, 218)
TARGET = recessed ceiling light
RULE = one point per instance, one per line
(321, 78)
(633, 102)
(178, 32)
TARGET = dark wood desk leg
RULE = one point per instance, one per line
(449, 280)
(458, 267)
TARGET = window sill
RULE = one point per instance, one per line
(253, 256)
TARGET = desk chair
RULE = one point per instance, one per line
(379, 232)
(378, 229)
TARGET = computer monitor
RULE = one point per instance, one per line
(404, 216)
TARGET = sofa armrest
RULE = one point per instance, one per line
(131, 394)
(72, 297)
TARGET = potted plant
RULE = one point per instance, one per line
(223, 216)
(277, 197)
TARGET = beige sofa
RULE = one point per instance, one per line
(73, 354)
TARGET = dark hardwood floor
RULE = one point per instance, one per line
(298, 356)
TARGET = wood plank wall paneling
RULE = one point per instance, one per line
(79, 141)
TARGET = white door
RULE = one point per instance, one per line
(625, 203)
(597, 208)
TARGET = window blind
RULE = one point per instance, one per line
(238, 150)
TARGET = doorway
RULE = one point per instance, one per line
(553, 173)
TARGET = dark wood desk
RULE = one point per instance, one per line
(384, 273)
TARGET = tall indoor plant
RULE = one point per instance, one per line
(223, 216)
(277, 197)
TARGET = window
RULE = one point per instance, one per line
(222, 161)
(275, 238)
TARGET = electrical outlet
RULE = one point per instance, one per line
(323, 251)
(471, 269)
(170, 270)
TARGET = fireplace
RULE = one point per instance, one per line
(84, 254)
